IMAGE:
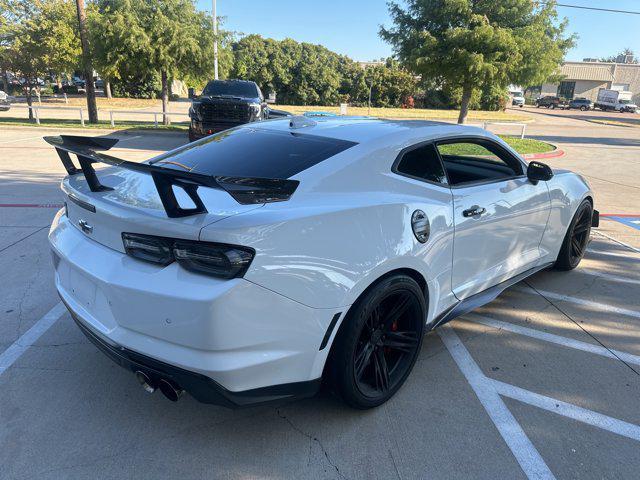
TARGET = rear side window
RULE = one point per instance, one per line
(423, 163)
(248, 152)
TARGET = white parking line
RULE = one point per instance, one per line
(526, 454)
(608, 276)
(583, 415)
(621, 256)
(580, 301)
(617, 241)
(557, 339)
(20, 139)
(17, 348)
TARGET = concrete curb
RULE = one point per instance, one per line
(540, 156)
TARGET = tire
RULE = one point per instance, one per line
(537, 106)
(373, 354)
(576, 239)
(584, 109)
(553, 106)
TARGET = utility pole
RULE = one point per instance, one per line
(86, 63)
(215, 42)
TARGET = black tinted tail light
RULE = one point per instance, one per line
(148, 248)
(219, 260)
(215, 259)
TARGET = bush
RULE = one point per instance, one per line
(137, 87)
(70, 89)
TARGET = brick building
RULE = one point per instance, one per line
(584, 79)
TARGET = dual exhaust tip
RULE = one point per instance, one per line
(167, 387)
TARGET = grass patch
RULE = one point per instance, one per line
(102, 124)
(520, 145)
(527, 145)
(410, 113)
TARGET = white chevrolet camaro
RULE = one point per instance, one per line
(251, 265)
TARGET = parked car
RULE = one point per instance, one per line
(551, 102)
(225, 104)
(4, 102)
(247, 266)
(517, 99)
(583, 104)
(615, 100)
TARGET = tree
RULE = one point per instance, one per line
(62, 43)
(474, 44)
(27, 48)
(36, 38)
(625, 56)
(87, 65)
(136, 39)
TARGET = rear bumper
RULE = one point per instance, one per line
(236, 334)
(201, 387)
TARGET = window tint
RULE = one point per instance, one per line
(230, 88)
(474, 161)
(422, 162)
(249, 152)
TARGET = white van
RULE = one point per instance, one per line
(615, 100)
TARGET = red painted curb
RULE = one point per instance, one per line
(621, 215)
(538, 156)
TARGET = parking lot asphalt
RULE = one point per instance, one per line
(543, 382)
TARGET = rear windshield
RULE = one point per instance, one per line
(231, 89)
(249, 152)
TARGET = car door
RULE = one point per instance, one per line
(499, 215)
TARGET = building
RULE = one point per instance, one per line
(584, 79)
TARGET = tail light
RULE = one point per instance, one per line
(215, 259)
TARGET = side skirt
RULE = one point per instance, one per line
(482, 298)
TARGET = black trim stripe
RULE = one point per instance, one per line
(82, 203)
(327, 335)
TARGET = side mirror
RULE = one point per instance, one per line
(537, 171)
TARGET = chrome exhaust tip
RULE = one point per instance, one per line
(169, 390)
(145, 382)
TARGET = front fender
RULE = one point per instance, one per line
(567, 190)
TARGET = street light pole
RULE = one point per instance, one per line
(215, 42)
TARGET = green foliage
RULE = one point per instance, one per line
(38, 37)
(306, 74)
(475, 45)
(135, 40)
(137, 86)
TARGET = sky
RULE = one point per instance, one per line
(351, 27)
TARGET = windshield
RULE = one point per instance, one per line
(249, 152)
(230, 88)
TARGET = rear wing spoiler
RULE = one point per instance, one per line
(245, 190)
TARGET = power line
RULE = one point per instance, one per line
(581, 7)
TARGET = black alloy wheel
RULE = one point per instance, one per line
(379, 342)
(576, 239)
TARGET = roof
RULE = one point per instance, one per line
(364, 129)
(588, 71)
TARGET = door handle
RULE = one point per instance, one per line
(474, 211)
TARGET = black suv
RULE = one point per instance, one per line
(551, 102)
(225, 104)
